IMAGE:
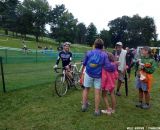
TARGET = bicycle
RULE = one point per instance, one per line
(63, 82)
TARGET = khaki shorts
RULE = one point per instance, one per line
(89, 82)
(120, 76)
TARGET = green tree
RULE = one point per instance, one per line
(2, 6)
(25, 21)
(133, 31)
(8, 15)
(105, 35)
(54, 18)
(63, 24)
(91, 34)
(39, 10)
(81, 33)
(118, 29)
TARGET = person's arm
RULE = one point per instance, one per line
(85, 59)
(132, 60)
(150, 66)
(70, 57)
(108, 66)
(58, 59)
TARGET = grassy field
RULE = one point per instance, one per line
(31, 43)
(39, 108)
(30, 68)
(17, 42)
(23, 75)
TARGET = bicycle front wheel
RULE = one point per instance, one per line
(76, 77)
(61, 85)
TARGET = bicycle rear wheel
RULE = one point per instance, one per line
(61, 85)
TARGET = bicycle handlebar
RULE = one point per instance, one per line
(63, 68)
(55, 69)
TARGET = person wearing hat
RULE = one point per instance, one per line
(120, 55)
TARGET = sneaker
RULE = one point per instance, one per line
(139, 105)
(118, 93)
(108, 112)
(145, 106)
(88, 103)
(84, 107)
(97, 113)
(112, 111)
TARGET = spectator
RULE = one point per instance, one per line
(120, 55)
(94, 61)
(129, 61)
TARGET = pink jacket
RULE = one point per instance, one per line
(109, 80)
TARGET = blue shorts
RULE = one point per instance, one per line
(141, 85)
(91, 82)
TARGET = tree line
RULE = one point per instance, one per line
(32, 16)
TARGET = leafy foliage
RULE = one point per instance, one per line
(63, 24)
(91, 34)
(32, 16)
(132, 31)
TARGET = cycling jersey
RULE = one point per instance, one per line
(66, 58)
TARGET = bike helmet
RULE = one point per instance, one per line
(66, 43)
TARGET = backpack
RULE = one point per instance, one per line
(94, 64)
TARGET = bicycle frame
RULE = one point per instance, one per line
(64, 81)
(74, 70)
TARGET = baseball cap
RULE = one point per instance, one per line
(119, 43)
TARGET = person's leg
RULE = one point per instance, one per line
(120, 80)
(97, 99)
(140, 98)
(85, 104)
(113, 99)
(97, 85)
(88, 81)
(146, 95)
(140, 95)
(104, 96)
(85, 96)
(108, 109)
(147, 99)
(129, 73)
(69, 74)
(118, 88)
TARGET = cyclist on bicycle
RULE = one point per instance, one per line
(66, 56)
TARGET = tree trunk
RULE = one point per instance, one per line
(6, 31)
(37, 38)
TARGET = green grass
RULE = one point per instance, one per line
(31, 103)
(16, 42)
(23, 75)
(39, 108)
